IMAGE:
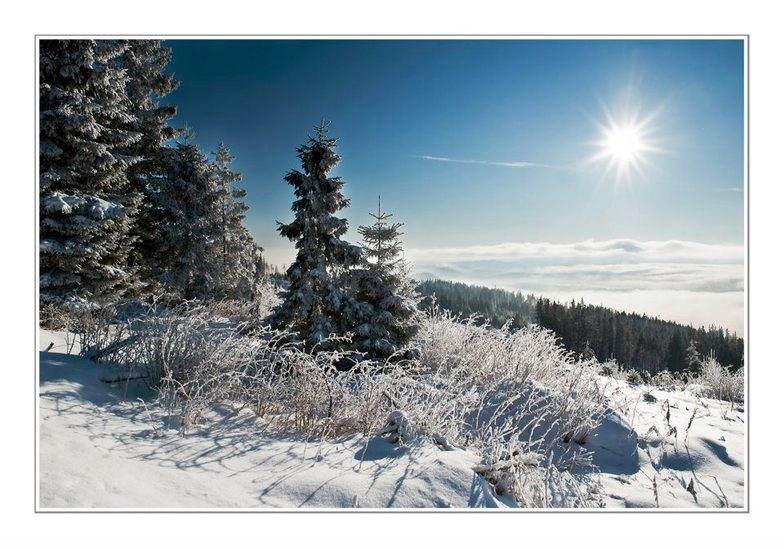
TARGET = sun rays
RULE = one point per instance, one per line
(625, 143)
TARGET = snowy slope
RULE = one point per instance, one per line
(707, 450)
(101, 447)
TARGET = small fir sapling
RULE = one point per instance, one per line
(390, 316)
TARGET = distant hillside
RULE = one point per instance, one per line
(494, 305)
(635, 341)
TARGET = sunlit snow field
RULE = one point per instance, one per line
(108, 445)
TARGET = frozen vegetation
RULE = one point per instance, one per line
(213, 409)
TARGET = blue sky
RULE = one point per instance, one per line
(476, 143)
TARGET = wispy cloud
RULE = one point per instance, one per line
(480, 162)
(730, 189)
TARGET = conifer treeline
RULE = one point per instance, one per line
(496, 306)
(124, 210)
(633, 340)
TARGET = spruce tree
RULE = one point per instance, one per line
(185, 237)
(259, 271)
(86, 202)
(587, 353)
(390, 320)
(693, 359)
(676, 355)
(145, 62)
(239, 256)
(314, 302)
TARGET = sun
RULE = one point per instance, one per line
(625, 144)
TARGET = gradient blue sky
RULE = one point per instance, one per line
(492, 103)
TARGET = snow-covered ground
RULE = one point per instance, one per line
(701, 443)
(100, 446)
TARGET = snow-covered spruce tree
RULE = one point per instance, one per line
(391, 319)
(240, 257)
(693, 359)
(313, 305)
(144, 62)
(197, 245)
(251, 287)
(185, 207)
(86, 202)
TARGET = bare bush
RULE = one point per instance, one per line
(54, 316)
(719, 382)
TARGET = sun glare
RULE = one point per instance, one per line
(624, 145)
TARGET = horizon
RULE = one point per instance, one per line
(609, 170)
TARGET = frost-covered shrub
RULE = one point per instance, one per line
(633, 377)
(196, 358)
(503, 394)
(535, 483)
(483, 352)
(96, 327)
(665, 380)
(397, 428)
(266, 298)
(54, 316)
(242, 311)
(719, 382)
(609, 368)
(506, 394)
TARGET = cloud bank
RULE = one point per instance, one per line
(690, 282)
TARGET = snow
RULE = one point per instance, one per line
(104, 445)
(100, 448)
(710, 452)
(98, 208)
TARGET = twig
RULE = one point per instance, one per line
(391, 399)
(124, 378)
(726, 502)
(112, 348)
(686, 437)
(155, 429)
(655, 492)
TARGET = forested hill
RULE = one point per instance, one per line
(494, 305)
(635, 341)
